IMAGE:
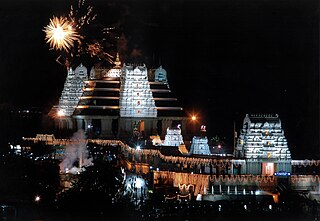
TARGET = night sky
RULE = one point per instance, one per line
(224, 58)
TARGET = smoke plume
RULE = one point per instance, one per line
(76, 152)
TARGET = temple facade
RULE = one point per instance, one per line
(115, 102)
(200, 146)
(263, 144)
(173, 137)
(72, 90)
(136, 98)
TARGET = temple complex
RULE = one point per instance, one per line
(115, 102)
(132, 107)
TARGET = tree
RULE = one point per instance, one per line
(95, 189)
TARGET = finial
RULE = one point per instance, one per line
(117, 62)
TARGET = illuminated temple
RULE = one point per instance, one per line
(115, 102)
(262, 142)
(132, 101)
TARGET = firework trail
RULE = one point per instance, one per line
(81, 16)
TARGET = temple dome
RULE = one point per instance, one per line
(81, 71)
(160, 74)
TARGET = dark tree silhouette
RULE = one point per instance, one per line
(95, 190)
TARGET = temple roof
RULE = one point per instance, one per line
(101, 94)
(262, 118)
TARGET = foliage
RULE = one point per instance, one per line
(95, 189)
(24, 178)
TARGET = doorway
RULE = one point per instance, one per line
(268, 169)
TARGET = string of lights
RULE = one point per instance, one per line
(170, 159)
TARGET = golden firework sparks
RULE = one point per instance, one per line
(82, 15)
(60, 34)
(95, 49)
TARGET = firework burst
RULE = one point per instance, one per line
(75, 38)
(60, 34)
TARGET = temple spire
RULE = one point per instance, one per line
(117, 62)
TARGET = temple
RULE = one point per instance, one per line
(200, 146)
(115, 102)
(132, 107)
(173, 137)
(263, 144)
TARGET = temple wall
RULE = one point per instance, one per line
(126, 126)
(253, 168)
(305, 183)
(205, 184)
(284, 167)
(106, 127)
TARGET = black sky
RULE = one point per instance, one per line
(224, 58)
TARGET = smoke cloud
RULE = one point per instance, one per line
(76, 152)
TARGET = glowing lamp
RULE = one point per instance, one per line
(61, 113)
(37, 198)
(193, 118)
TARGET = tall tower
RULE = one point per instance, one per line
(136, 98)
(263, 144)
(173, 137)
(200, 146)
(72, 91)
